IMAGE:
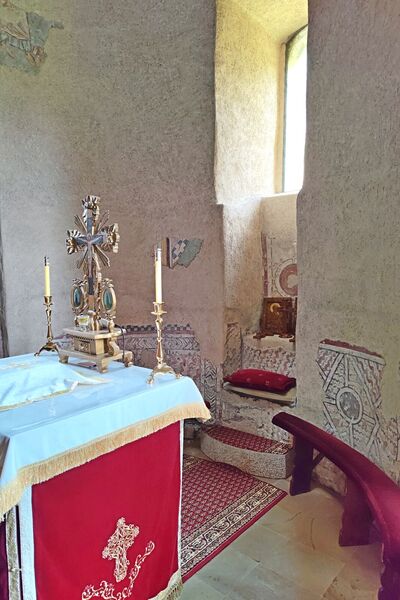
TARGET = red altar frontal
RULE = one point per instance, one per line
(108, 529)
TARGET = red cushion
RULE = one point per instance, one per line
(258, 379)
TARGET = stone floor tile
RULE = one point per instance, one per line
(343, 590)
(319, 532)
(196, 589)
(262, 584)
(226, 570)
(291, 553)
(360, 577)
(319, 502)
(259, 542)
(251, 588)
(305, 567)
(276, 516)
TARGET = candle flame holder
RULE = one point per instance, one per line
(161, 368)
(50, 345)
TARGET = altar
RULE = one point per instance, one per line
(90, 482)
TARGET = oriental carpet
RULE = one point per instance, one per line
(219, 502)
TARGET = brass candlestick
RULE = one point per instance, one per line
(50, 345)
(162, 368)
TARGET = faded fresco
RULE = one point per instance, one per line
(23, 36)
(182, 352)
(232, 349)
(183, 252)
(279, 266)
(278, 360)
(352, 379)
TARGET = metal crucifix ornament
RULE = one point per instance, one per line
(93, 297)
(97, 239)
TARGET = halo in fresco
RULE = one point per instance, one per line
(287, 279)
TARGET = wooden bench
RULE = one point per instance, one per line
(371, 495)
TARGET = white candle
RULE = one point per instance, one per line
(47, 291)
(158, 276)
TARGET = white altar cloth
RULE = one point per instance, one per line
(41, 440)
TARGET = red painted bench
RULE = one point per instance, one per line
(371, 495)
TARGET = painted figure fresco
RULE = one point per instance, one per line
(181, 252)
(23, 36)
(280, 267)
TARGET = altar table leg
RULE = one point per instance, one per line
(390, 583)
(303, 466)
(356, 519)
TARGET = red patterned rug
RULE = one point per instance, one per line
(246, 441)
(219, 502)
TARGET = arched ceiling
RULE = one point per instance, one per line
(281, 18)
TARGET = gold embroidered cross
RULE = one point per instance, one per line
(118, 545)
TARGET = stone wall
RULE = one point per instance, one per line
(3, 329)
(243, 263)
(279, 245)
(122, 106)
(348, 214)
(347, 354)
(247, 80)
(249, 91)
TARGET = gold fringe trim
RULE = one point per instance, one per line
(42, 471)
(173, 590)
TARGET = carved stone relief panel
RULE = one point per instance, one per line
(352, 379)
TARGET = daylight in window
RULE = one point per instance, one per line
(295, 111)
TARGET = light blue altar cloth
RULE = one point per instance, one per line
(35, 433)
(23, 382)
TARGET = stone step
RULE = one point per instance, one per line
(243, 413)
(287, 399)
(251, 453)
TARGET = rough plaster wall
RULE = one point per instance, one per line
(348, 210)
(243, 225)
(3, 330)
(247, 82)
(33, 225)
(243, 264)
(279, 242)
(123, 107)
(282, 17)
(279, 217)
(168, 169)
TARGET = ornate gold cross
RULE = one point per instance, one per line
(97, 239)
(93, 297)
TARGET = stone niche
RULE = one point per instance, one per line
(254, 415)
